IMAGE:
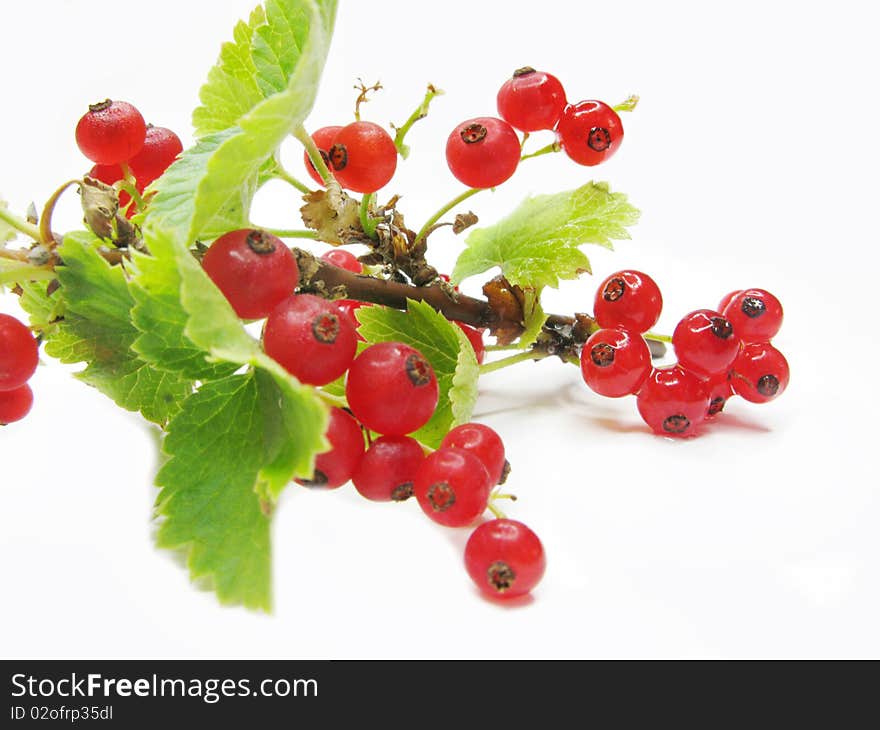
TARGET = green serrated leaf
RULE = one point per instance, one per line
(537, 244)
(231, 90)
(43, 308)
(447, 349)
(204, 320)
(463, 393)
(161, 319)
(209, 189)
(97, 330)
(208, 499)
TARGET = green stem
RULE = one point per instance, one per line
(444, 210)
(285, 233)
(491, 367)
(552, 147)
(502, 348)
(19, 224)
(314, 154)
(628, 104)
(368, 223)
(46, 218)
(132, 190)
(420, 112)
(283, 174)
(495, 511)
(656, 336)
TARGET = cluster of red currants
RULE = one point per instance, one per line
(19, 355)
(484, 152)
(392, 391)
(114, 136)
(481, 152)
(720, 353)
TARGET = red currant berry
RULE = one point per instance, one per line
(590, 132)
(161, 148)
(504, 558)
(531, 100)
(254, 270)
(722, 305)
(452, 487)
(615, 362)
(363, 157)
(19, 353)
(475, 337)
(15, 404)
(335, 467)
(719, 393)
(348, 307)
(388, 470)
(756, 315)
(705, 343)
(111, 132)
(310, 338)
(343, 259)
(673, 401)
(628, 299)
(391, 389)
(760, 373)
(483, 152)
(323, 140)
(482, 442)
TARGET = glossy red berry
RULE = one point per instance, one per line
(628, 299)
(475, 337)
(719, 393)
(504, 558)
(343, 259)
(615, 362)
(323, 139)
(483, 152)
(483, 442)
(388, 470)
(161, 148)
(760, 373)
(19, 353)
(348, 307)
(335, 467)
(590, 132)
(705, 343)
(673, 401)
(452, 487)
(254, 270)
(111, 132)
(391, 388)
(726, 299)
(531, 100)
(15, 404)
(756, 315)
(311, 338)
(363, 157)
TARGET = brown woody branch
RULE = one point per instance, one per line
(561, 334)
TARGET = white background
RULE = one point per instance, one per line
(753, 155)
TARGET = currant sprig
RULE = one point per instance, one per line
(340, 386)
